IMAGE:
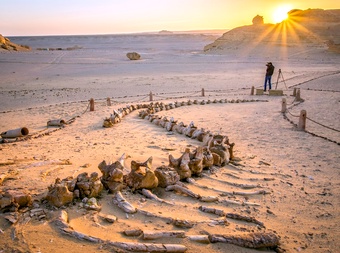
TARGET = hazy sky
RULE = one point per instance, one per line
(53, 17)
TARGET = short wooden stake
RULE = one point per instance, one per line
(284, 105)
(297, 97)
(302, 120)
(108, 102)
(252, 90)
(203, 92)
(294, 92)
(91, 105)
(151, 96)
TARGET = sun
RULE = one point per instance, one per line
(281, 13)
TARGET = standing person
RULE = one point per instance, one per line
(269, 73)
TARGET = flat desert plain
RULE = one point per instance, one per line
(298, 170)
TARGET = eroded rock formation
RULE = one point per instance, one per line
(6, 44)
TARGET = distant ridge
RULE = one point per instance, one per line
(312, 27)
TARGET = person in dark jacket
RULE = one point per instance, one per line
(269, 73)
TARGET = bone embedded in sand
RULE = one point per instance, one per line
(59, 194)
(112, 175)
(196, 163)
(133, 232)
(61, 219)
(147, 193)
(166, 176)
(182, 190)
(199, 238)
(251, 240)
(149, 247)
(141, 176)
(209, 199)
(122, 203)
(151, 235)
(212, 210)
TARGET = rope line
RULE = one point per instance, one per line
(323, 125)
(292, 102)
(311, 133)
(315, 78)
(297, 116)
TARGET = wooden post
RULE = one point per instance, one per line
(108, 102)
(297, 97)
(203, 92)
(284, 105)
(294, 92)
(91, 105)
(302, 120)
(252, 90)
(151, 96)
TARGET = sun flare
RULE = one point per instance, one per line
(281, 13)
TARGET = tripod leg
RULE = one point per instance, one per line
(277, 81)
(284, 81)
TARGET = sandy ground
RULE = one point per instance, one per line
(300, 170)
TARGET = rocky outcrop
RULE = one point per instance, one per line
(133, 56)
(258, 20)
(7, 45)
(312, 27)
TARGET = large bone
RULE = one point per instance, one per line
(122, 203)
(181, 164)
(141, 176)
(58, 194)
(128, 246)
(199, 238)
(244, 218)
(112, 178)
(208, 158)
(151, 235)
(196, 163)
(197, 133)
(14, 199)
(89, 186)
(182, 190)
(166, 176)
(241, 203)
(243, 186)
(212, 210)
(188, 131)
(149, 247)
(163, 122)
(170, 124)
(150, 195)
(179, 128)
(250, 240)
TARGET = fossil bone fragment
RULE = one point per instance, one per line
(141, 175)
(122, 203)
(166, 176)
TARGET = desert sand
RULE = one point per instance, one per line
(299, 170)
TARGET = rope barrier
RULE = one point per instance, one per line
(195, 93)
(140, 99)
(311, 133)
(297, 116)
(336, 130)
(292, 102)
(315, 78)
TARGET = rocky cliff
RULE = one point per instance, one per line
(311, 28)
(7, 45)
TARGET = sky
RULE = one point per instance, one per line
(77, 17)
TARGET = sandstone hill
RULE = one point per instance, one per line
(303, 28)
(7, 45)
